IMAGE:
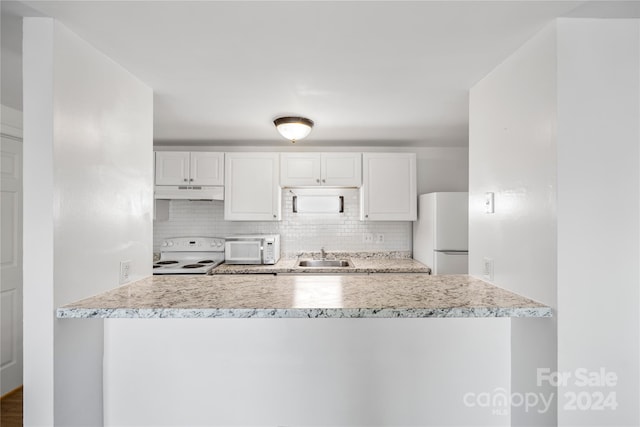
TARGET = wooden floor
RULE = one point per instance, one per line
(11, 413)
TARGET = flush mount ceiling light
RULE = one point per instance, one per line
(293, 128)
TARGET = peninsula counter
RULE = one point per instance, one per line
(306, 295)
(306, 350)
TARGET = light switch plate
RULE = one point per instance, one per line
(488, 203)
(367, 238)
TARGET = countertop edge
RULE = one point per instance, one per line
(360, 266)
(297, 313)
(321, 270)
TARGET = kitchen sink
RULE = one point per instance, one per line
(324, 263)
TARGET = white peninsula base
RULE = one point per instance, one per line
(305, 372)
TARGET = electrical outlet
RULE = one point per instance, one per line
(379, 238)
(367, 237)
(125, 270)
(487, 269)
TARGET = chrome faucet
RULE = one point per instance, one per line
(323, 254)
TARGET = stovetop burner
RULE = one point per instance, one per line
(190, 255)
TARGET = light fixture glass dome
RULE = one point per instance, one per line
(293, 128)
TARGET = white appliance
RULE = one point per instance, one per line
(252, 249)
(441, 233)
(189, 255)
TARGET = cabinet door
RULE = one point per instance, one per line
(172, 167)
(207, 168)
(341, 169)
(252, 190)
(300, 169)
(388, 190)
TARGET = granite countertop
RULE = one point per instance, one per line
(360, 265)
(305, 296)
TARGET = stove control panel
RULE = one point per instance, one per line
(194, 244)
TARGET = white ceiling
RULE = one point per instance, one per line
(391, 73)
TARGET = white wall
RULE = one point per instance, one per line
(442, 169)
(512, 152)
(38, 223)
(88, 191)
(512, 128)
(554, 132)
(305, 372)
(438, 169)
(599, 212)
(11, 54)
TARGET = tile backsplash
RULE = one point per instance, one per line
(298, 232)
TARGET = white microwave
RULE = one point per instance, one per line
(252, 249)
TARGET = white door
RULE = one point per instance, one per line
(300, 169)
(451, 262)
(11, 265)
(172, 167)
(341, 169)
(207, 168)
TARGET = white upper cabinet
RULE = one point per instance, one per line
(172, 167)
(341, 169)
(299, 169)
(192, 168)
(207, 168)
(252, 190)
(389, 189)
(321, 169)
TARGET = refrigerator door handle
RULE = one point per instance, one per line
(452, 252)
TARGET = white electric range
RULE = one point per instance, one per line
(189, 255)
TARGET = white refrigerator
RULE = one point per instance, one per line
(441, 233)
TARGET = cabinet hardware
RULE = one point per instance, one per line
(324, 180)
(317, 180)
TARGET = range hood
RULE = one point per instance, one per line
(189, 192)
